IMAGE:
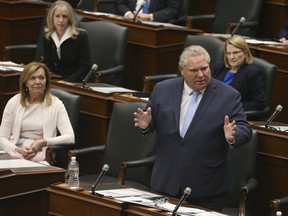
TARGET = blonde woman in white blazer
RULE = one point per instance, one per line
(31, 119)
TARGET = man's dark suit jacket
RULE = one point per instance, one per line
(75, 60)
(163, 10)
(284, 30)
(200, 160)
(248, 81)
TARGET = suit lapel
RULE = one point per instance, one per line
(177, 97)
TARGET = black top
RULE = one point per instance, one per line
(248, 81)
(75, 60)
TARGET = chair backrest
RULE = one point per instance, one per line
(183, 13)
(230, 11)
(243, 161)
(269, 72)
(108, 45)
(125, 143)
(213, 45)
(72, 104)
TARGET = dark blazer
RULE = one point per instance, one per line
(200, 160)
(248, 81)
(163, 10)
(284, 30)
(75, 60)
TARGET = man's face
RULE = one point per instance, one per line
(196, 72)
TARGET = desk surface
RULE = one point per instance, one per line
(64, 201)
(12, 180)
(25, 189)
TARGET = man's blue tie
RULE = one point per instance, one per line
(146, 6)
(193, 104)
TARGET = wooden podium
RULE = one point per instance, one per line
(151, 49)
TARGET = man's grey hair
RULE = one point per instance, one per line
(193, 50)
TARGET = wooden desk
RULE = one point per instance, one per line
(8, 87)
(25, 190)
(20, 22)
(64, 201)
(272, 168)
(150, 50)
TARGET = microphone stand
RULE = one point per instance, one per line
(138, 11)
(93, 69)
(241, 21)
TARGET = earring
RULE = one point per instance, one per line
(26, 89)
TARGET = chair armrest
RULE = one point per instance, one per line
(88, 150)
(250, 186)
(21, 47)
(149, 161)
(149, 81)
(257, 114)
(8, 50)
(277, 203)
(190, 19)
(111, 71)
(248, 24)
(53, 150)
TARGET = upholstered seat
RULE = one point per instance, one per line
(123, 143)
(57, 155)
(108, 43)
(244, 159)
(269, 72)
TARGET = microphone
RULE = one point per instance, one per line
(241, 21)
(186, 193)
(79, 3)
(105, 169)
(276, 112)
(138, 11)
(93, 70)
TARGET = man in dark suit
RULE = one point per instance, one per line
(200, 158)
(158, 10)
(283, 34)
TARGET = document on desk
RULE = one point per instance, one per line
(111, 89)
(127, 192)
(9, 65)
(277, 127)
(19, 163)
(266, 42)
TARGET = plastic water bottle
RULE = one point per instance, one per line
(73, 171)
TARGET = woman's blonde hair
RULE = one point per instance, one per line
(240, 43)
(29, 69)
(50, 27)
